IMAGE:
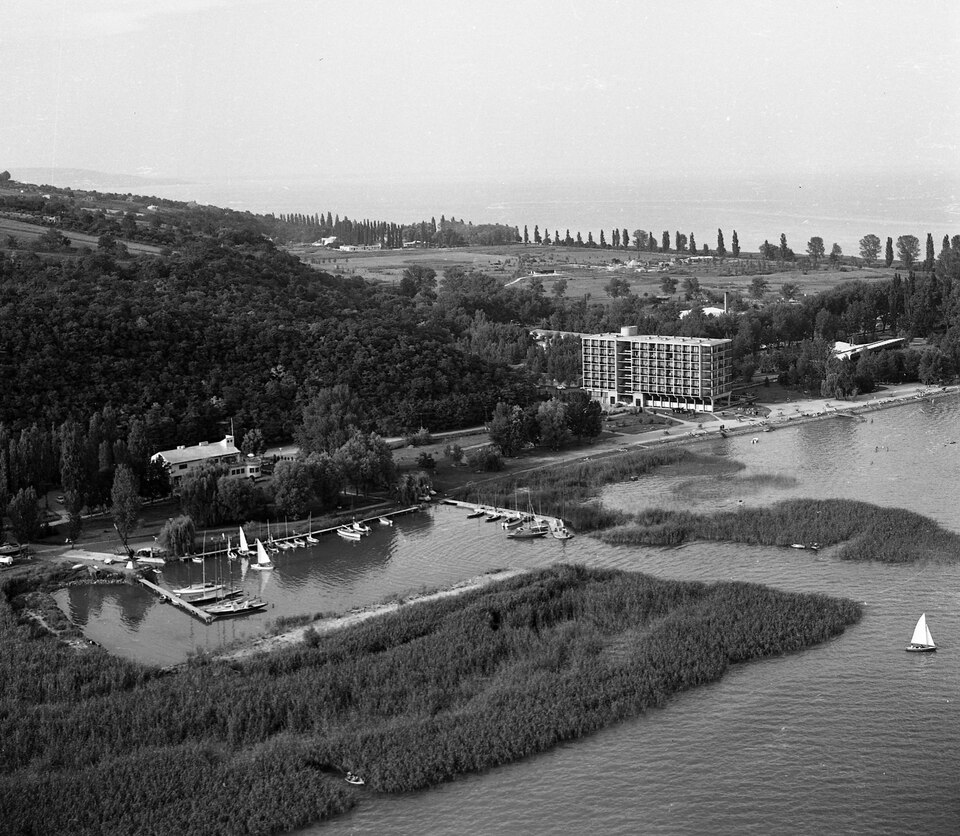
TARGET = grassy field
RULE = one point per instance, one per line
(26, 233)
(586, 270)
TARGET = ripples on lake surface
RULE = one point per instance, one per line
(854, 736)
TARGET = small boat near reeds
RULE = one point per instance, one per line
(353, 778)
(921, 641)
(363, 528)
(385, 521)
(226, 609)
(561, 532)
(348, 533)
(529, 532)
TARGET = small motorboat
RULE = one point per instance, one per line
(361, 527)
(512, 522)
(300, 543)
(478, 512)
(353, 778)
(349, 533)
(797, 546)
(385, 521)
(494, 517)
(311, 539)
(529, 533)
(561, 532)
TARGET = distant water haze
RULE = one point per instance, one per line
(840, 208)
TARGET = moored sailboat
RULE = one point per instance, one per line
(244, 549)
(229, 608)
(263, 559)
(921, 641)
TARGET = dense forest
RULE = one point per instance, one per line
(223, 324)
(408, 700)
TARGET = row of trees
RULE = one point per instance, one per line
(907, 246)
(551, 423)
(85, 459)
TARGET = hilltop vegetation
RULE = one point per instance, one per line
(407, 700)
(221, 323)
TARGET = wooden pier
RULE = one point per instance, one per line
(502, 509)
(176, 600)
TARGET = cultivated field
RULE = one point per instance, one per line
(586, 270)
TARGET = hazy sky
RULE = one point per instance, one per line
(230, 88)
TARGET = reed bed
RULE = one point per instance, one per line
(569, 490)
(867, 532)
(408, 700)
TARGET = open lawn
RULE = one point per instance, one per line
(26, 233)
(585, 270)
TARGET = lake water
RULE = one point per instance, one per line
(839, 208)
(854, 736)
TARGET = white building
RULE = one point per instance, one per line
(652, 371)
(184, 460)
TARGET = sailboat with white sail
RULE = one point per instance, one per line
(263, 559)
(244, 546)
(921, 641)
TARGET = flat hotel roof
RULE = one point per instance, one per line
(655, 338)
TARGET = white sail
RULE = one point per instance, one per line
(244, 547)
(263, 559)
(921, 633)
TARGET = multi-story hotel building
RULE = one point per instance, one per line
(649, 371)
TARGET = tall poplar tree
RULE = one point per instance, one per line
(721, 248)
(888, 254)
(735, 245)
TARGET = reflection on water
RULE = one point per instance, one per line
(835, 739)
(897, 457)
